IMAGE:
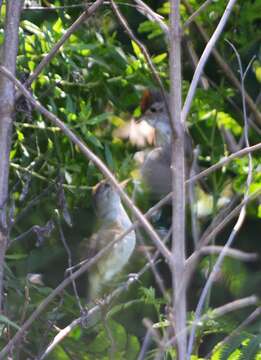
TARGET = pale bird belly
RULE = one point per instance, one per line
(119, 256)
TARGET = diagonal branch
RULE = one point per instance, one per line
(239, 221)
(48, 58)
(145, 10)
(94, 158)
(203, 59)
(143, 49)
(225, 67)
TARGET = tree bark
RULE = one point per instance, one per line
(178, 183)
(7, 101)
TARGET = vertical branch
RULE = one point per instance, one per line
(178, 182)
(7, 100)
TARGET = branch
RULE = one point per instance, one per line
(239, 222)
(196, 13)
(143, 49)
(178, 181)
(225, 67)
(234, 253)
(47, 59)
(192, 261)
(255, 314)
(95, 159)
(220, 311)
(90, 155)
(204, 57)
(145, 10)
(86, 318)
(7, 102)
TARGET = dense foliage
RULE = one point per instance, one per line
(94, 84)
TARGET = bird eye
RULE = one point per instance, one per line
(106, 185)
(153, 109)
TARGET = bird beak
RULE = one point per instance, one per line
(124, 183)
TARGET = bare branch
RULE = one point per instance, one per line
(238, 224)
(95, 159)
(226, 68)
(143, 49)
(178, 181)
(90, 314)
(196, 13)
(145, 10)
(221, 311)
(234, 253)
(252, 317)
(204, 58)
(7, 101)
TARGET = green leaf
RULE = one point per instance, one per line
(16, 256)
(32, 28)
(108, 157)
(99, 118)
(58, 26)
(5, 320)
(224, 119)
(136, 48)
(159, 58)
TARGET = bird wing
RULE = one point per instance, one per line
(107, 233)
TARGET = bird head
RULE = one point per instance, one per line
(155, 113)
(105, 197)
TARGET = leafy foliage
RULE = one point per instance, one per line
(94, 85)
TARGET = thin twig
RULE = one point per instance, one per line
(234, 253)
(196, 13)
(238, 224)
(225, 67)
(69, 255)
(46, 60)
(145, 10)
(85, 318)
(145, 344)
(95, 159)
(203, 59)
(220, 311)
(144, 51)
(252, 317)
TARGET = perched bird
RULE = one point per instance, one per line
(156, 168)
(113, 220)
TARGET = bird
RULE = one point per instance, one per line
(156, 169)
(113, 220)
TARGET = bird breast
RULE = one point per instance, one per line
(119, 256)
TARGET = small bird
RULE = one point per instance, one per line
(113, 220)
(156, 169)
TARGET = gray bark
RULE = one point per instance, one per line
(7, 101)
(178, 184)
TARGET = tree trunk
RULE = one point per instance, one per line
(7, 101)
(178, 184)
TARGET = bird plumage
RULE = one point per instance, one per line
(113, 220)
